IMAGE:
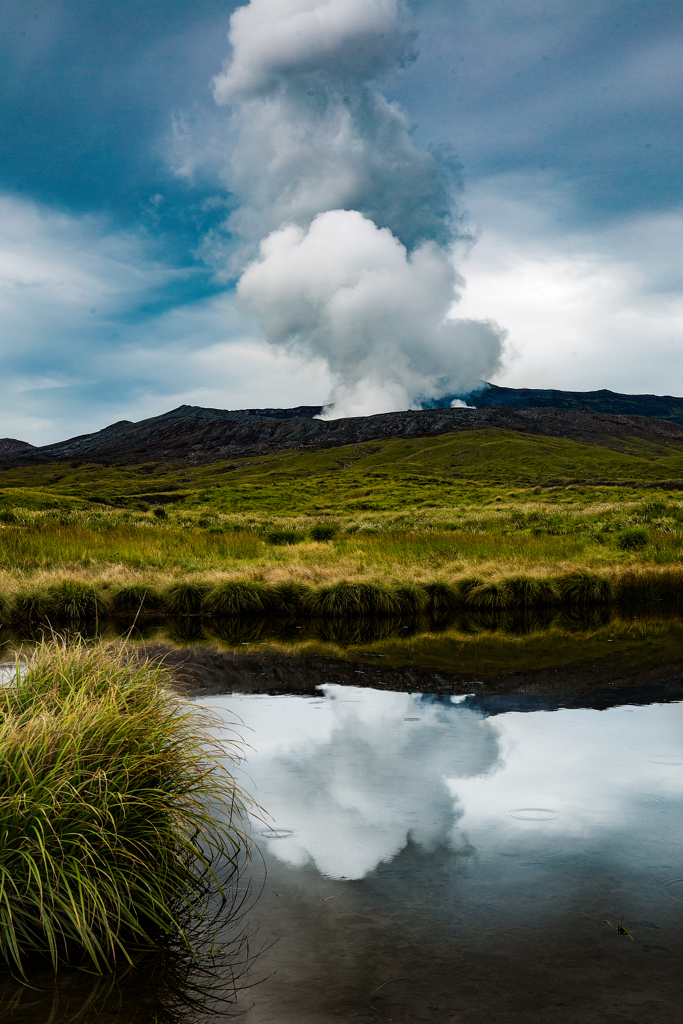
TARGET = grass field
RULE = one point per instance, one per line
(382, 476)
(467, 511)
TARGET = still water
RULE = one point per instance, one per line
(456, 858)
(441, 856)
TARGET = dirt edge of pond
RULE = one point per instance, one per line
(205, 671)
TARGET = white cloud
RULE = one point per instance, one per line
(585, 309)
(311, 131)
(349, 293)
(355, 222)
(76, 355)
(275, 38)
(621, 748)
(350, 778)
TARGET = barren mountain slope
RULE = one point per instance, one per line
(193, 435)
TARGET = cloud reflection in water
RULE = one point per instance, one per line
(352, 778)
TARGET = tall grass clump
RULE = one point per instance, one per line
(6, 608)
(581, 586)
(278, 537)
(441, 596)
(135, 599)
(323, 532)
(354, 599)
(237, 597)
(649, 585)
(185, 598)
(410, 598)
(634, 539)
(290, 597)
(531, 591)
(119, 821)
(72, 603)
(489, 596)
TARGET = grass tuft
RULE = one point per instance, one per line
(134, 599)
(185, 598)
(633, 540)
(278, 537)
(411, 599)
(290, 597)
(441, 596)
(115, 810)
(531, 591)
(581, 586)
(29, 607)
(72, 603)
(490, 595)
(650, 586)
(361, 599)
(322, 532)
(7, 604)
(237, 597)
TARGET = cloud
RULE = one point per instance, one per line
(351, 293)
(338, 776)
(95, 330)
(585, 308)
(311, 130)
(587, 91)
(273, 39)
(355, 223)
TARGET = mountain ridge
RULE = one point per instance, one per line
(195, 435)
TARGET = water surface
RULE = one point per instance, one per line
(431, 858)
(453, 817)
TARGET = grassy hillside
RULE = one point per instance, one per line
(380, 476)
(467, 511)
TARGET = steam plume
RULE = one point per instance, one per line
(356, 223)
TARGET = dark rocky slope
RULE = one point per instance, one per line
(192, 435)
(9, 446)
(664, 407)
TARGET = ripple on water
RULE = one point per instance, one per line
(534, 813)
(672, 888)
(666, 759)
(276, 833)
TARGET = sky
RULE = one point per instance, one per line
(353, 202)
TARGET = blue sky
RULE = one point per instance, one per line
(544, 157)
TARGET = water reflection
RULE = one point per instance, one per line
(431, 857)
(237, 630)
(349, 778)
(478, 646)
(174, 989)
(192, 979)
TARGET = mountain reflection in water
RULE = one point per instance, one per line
(460, 863)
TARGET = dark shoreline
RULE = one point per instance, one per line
(206, 671)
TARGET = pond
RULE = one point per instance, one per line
(457, 858)
(442, 848)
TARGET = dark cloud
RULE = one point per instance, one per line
(89, 89)
(592, 91)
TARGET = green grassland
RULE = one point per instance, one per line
(381, 476)
(465, 511)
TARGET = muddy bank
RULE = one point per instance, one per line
(203, 671)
